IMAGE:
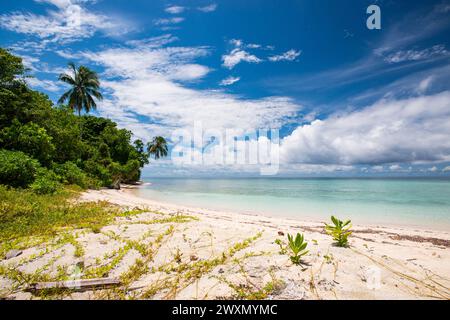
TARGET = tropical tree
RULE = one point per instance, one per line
(84, 88)
(157, 147)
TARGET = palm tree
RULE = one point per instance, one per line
(157, 147)
(85, 87)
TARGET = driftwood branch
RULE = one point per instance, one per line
(75, 285)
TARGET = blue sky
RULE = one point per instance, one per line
(347, 100)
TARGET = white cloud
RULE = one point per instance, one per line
(425, 84)
(446, 169)
(240, 54)
(47, 85)
(290, 55)
(175, 9)
(253, 46)
(415, 55)
(187, 72)
(229, 81)
(433, 169)
(154, 42)
(209, 8)
(236, 42)
(395, 167)
(377, 168)
(408, 130)
(70, 22)
(168, 21)
(237, 56)
(145, 94)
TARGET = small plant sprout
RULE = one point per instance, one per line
(178, 256)
(282, 246)
(297, 246)
(340, 231)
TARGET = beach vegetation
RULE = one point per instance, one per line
(17, 169)
(24, 213)
(339, 230)
(282, 245)
(80, 149)
(46, 182)
(297, 246)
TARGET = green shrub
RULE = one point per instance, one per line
(47, 182)
(70, 173)
(17, 169)
(340, 231)
(98, 171)
(29, 138)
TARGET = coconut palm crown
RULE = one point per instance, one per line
(85, 86)
(158, 147)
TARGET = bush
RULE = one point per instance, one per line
(98, 171)
(47, 182)
(29, 138)
(17, 169)
(70, 173)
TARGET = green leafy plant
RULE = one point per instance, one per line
(339, 230)
(282, 246)
(17, 169)
(47, 182)
(297, 246)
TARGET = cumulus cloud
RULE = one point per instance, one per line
(146, 93)
(175, 9)
(241, 53)
(209, 8)
(290, 55)
(237, 56)
(397, 131)
(68, 23)
(229, 81)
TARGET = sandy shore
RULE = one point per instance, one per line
(204, 254)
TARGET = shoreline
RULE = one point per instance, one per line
(129, 189)
(126, 197)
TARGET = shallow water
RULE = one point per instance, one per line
(415, 202)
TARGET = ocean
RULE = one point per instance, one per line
(420, 202)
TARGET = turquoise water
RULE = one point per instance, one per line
(415, 202)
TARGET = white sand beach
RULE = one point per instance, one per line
(203, 254)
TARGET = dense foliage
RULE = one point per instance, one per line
(42, 145)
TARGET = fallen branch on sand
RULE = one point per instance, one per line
(76, 285)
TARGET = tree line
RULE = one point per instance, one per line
(43, 145)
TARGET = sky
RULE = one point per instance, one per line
(346, 100)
